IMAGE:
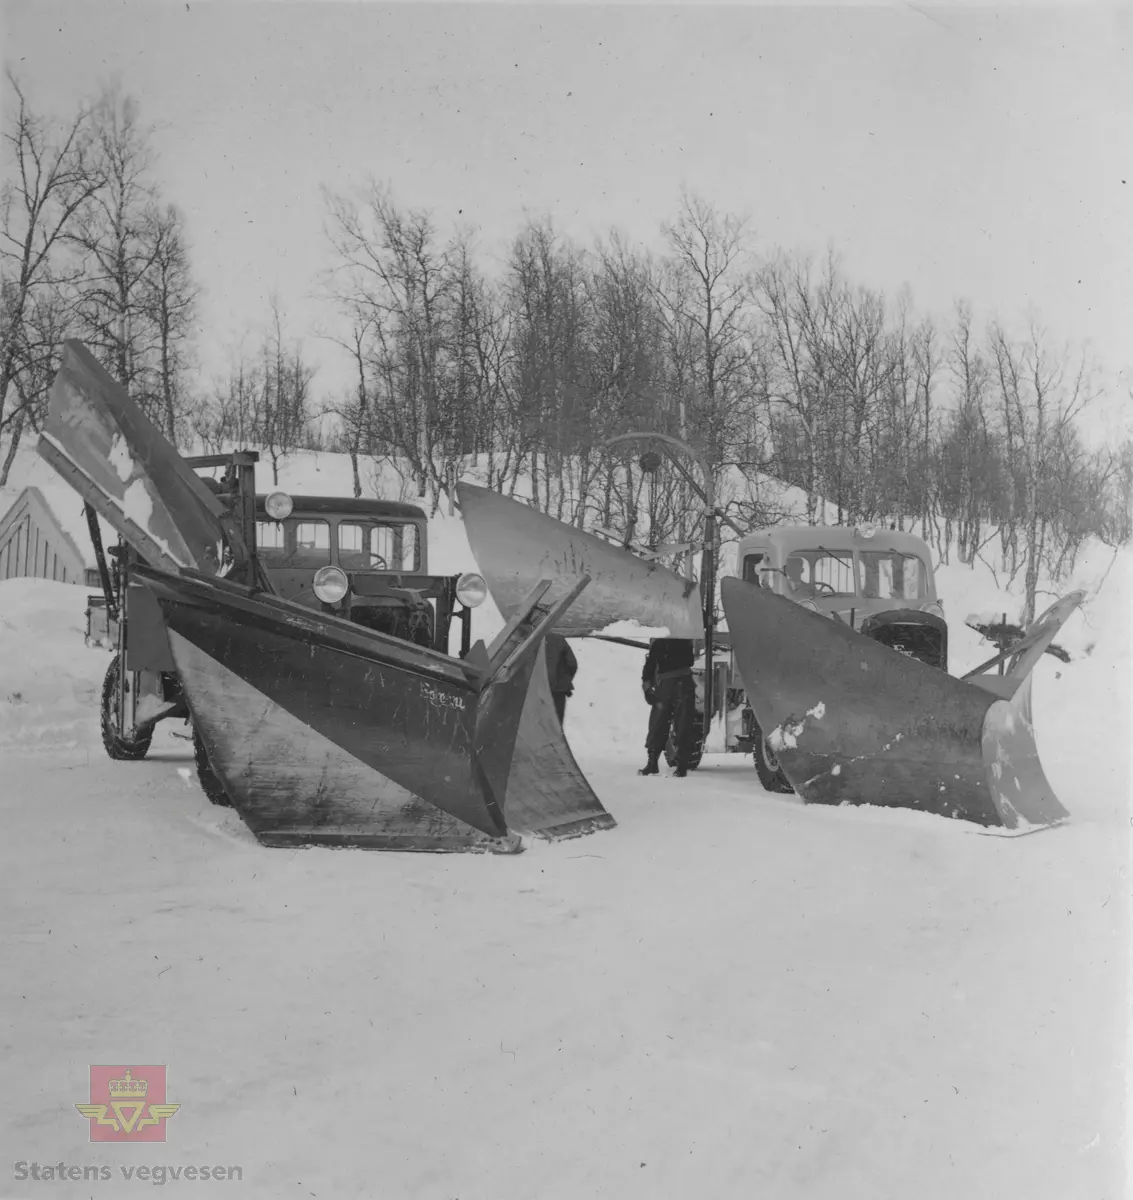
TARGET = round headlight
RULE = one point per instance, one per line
(471, 590)
(935, 607)
(809, 605)
(278, 506)
(331, 584)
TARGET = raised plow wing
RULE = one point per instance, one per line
(851, 720)
(105, 447)
(515, 546)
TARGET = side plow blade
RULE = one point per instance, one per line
(547, 793)
(105, 447)
(852, 721)
(515, 546)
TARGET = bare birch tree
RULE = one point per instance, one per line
(50, 172)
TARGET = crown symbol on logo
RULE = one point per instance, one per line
(128, 1088)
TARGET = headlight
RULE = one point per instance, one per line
(471, 590)
(331, 584)
(936, 608)
(867, 530)
(278, 506)
(809, 605)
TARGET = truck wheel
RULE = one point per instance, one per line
(116, 745)
(209, 780)
(766, 764)
(697, 744)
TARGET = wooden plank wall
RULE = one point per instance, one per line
(28, 551)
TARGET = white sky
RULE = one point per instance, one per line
(964, 151)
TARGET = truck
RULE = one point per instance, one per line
(363, 560)
(308, 646)
(879, 582)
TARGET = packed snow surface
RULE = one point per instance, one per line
(731, 994)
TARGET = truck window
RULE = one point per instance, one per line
(835, 570)
(820, 572)
(377, 546)
(892, 575)
(752, 563)
(311, 546)
(271, 541)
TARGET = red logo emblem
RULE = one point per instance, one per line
(127, 1104)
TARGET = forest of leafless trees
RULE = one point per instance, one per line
(772, 366)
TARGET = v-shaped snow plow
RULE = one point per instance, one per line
(851, 720)
(515, 545)
(319, 730)
(325, 733)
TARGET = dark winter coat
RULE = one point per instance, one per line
(668, 658)
(561, 665)
(667, 682)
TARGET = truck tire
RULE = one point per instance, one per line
(697, 744)
(209, 780)
(116, 746)
(767, 765)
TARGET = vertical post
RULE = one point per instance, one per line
(465, 632)
(708, 581)
(243, 472)
(100, 558)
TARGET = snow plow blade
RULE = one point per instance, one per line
(852, 721)
(106, 448)
(515, 545)
(548, 795)
(323, 733)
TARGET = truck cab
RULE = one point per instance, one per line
(363, 560)
(879, 582)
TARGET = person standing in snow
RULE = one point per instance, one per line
(561, 669)
(669, 689)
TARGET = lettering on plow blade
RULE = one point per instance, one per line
(894, 731)
(441, 699)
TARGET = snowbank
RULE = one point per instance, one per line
(49, 680)
(729, 995)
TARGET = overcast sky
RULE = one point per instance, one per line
(963, 151)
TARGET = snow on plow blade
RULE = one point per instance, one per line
(325, 733)
(98, 439)
(515, 545)
(851, 720)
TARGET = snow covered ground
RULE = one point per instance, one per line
(730, 995)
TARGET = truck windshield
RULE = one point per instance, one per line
(378, 546)
(820, 572)
(892, 575)
(293, 543)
